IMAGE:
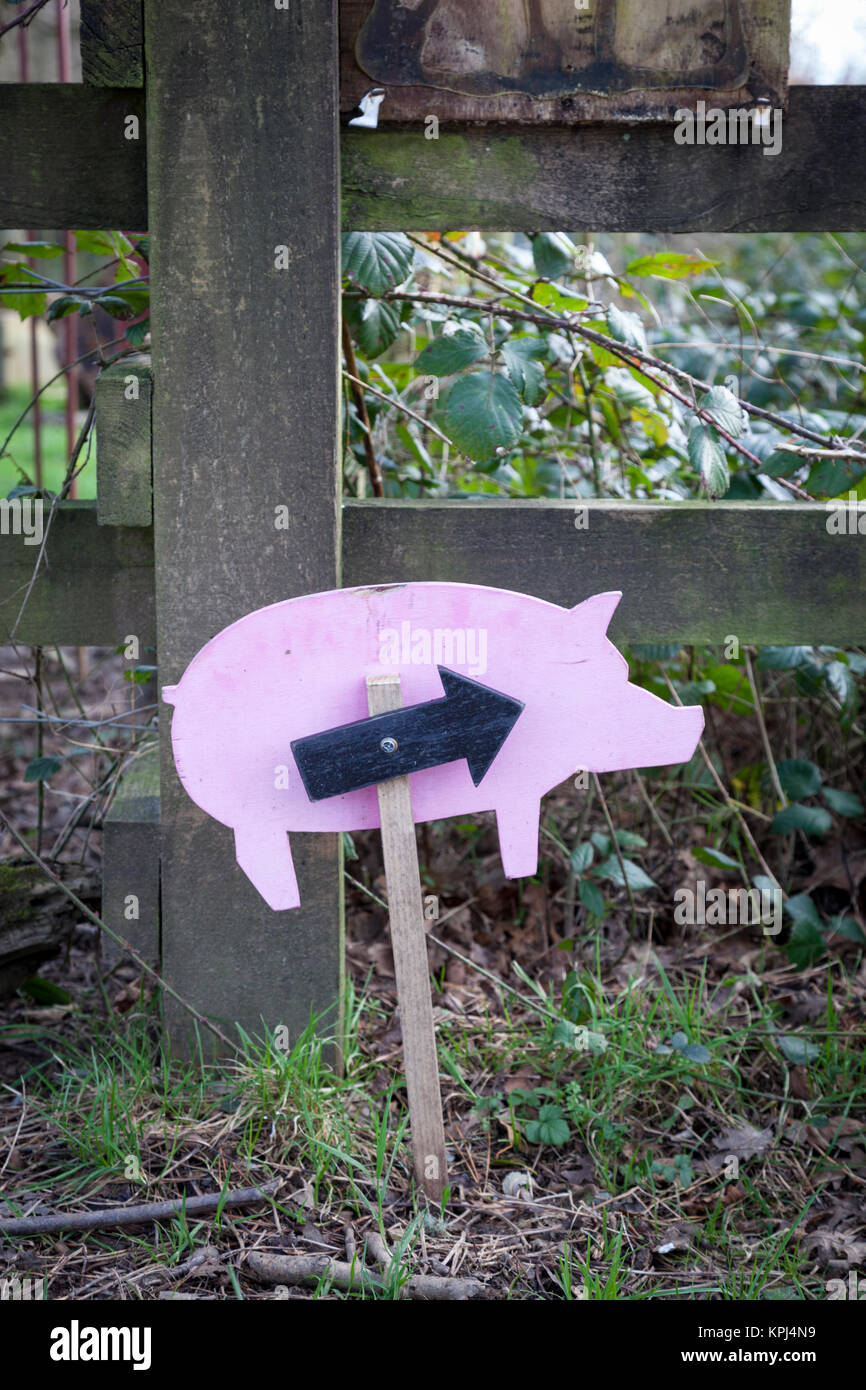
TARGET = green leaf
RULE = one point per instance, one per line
(801, 909)
(137, 332)
(832, 477)
(553, 254)
(782, 658)
(841, 682)
(724, 410)
(798, 1051)
(798, 777)
(655, 651)
(707, 854)
(627, 328)
(26, 306)
(637, 879)
(671, 265)
(843, 803)
(377, 261)
(119, 307)
(626, 389)
(582, 856)
(451, 353)
(552, 1128)
(805, 945)
(45, 992)
(104, 243)
(627, 839)
(591, 897)
(522, 358)
(841, 925)
(708, 459)
(696, 1052)
(483, 415)
(40, 769)
(812, 820)
(39, 250)
(376, 323)
(65, 304)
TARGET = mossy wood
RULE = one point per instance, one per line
(66, 163)
(243, 129)
(770, 572)
(112, 35)
(36, 917)
(93, 588)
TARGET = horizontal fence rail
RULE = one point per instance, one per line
(93, 587)
(766, 572)
(68, 160)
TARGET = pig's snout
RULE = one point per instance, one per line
(677, 737)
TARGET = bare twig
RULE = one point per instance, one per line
(765, 739)
(25, 1226)
(25, 17)
(398, 405)
(728, 800)
(361, 406)
(305, 1269)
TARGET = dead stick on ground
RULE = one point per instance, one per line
(303, 1269)
(409, 943)
(129, 1216)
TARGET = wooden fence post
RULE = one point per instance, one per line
(243, 201)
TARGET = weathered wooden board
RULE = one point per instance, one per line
(94, 586)
(695, 571)
(243, 126)
(53, 142)
(547, 694)
(65, 158)
(613, 178)
(130, 861)
(562, 61)
(124, 483)
(111, 42)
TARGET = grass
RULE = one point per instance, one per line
(13, 400)
(633, 1112)
(105, 1116)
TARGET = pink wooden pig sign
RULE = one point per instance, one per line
(515, 692)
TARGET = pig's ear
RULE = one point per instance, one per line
(599, 609)
(169, 693)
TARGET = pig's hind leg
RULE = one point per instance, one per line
(517, 825)
(264, 854)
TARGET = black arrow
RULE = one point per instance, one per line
(471, 721)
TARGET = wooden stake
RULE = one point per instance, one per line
(409, 942)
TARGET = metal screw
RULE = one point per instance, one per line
(388, 745)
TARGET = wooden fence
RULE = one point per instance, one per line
(237, 149)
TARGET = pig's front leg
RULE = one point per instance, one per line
(264, 854)
(517, 824)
